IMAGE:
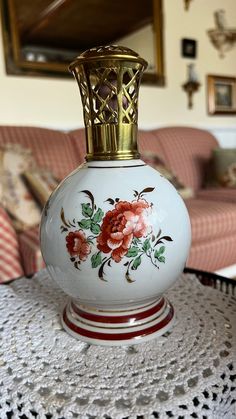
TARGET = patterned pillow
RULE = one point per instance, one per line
(15, 158)
(41, 184)
(154, 161)
(14, 194)
(224, 167)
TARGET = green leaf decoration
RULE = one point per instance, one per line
(90, 195)
(96, 260)
(146, 245)
(136, 263)
(85, 224)
(161, 250)
(156, 254)
(132, 252)
(98, 216)
(95, 228)
(87, 210)
(135, 241)
(159, 254)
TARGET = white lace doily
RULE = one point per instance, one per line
(45, 373)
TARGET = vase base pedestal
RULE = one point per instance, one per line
(116, 328)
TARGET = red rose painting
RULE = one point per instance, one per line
(77, 245)
(124, 232)
(120, 226)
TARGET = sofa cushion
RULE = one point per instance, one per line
(41, 184)
(223, 166)
(15, 158)
(157, 163)
(51, 149)
(187, 152)
(14, 195)
(211, 219)
(218, 194)
(211, 255)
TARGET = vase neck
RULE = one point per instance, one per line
(112, 142)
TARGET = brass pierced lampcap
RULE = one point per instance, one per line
(109, 79)
(108, 52)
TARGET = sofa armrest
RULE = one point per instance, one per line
(10, 259)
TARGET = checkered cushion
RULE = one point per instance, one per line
(213, 234)
(212, 255)
(211, 219)
(10, 260)
(78, 138)
(51, 149)
(187, 152)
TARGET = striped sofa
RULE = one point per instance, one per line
(186, 151)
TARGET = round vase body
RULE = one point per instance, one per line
(115, 235)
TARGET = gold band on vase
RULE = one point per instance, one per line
(112, 142)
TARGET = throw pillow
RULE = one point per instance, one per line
(41, 183)
(15, 197)
(224, 167)
(15, 158)
(18, 202)
(154, 161)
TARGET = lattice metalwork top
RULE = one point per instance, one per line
(109, 79)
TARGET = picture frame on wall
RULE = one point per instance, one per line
(221, 95)
(189, 48)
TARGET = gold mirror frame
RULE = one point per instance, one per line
(17, 66)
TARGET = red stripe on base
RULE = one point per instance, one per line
(118, 336)
(118, 319)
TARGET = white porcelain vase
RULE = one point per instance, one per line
(115, 234)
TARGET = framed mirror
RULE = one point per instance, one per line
(42, 37)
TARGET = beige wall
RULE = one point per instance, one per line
(142, 42)
(56, 103)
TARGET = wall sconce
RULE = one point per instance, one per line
(222, 38)
(186, 4)
(192, 84)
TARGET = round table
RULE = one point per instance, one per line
(188, 373)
